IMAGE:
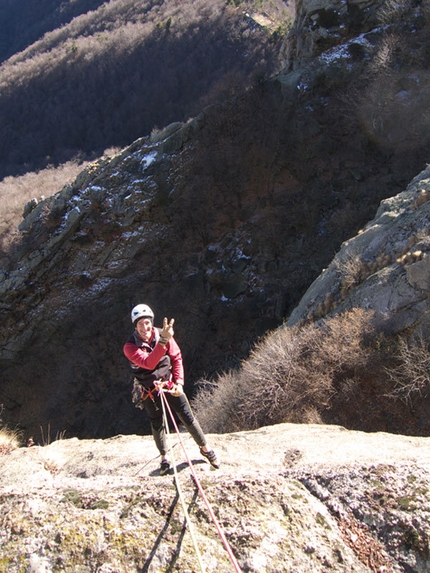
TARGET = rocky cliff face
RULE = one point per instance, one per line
(222, 223)
(227, 243)
(287, 497)
(386, 267)
(320, 25)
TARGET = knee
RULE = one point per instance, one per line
(156, 423)
(186, 416)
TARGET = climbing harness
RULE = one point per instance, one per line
(165, 406)
(140, 393)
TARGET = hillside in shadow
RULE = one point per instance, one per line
(120, 70)
(23, 22)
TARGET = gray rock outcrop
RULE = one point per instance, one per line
(287, 497)
(320, 25)
(385, 268)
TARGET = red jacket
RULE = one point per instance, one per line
(148, 355)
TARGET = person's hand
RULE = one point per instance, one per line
(161, 385)
(167, 331)
(177, 390)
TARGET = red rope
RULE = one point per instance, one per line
(202, 493)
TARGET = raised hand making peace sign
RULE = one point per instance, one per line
(167, 331)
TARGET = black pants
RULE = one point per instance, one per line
(182, 408)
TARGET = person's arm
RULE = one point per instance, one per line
(140, 357)
(175, 354)
(166, 339)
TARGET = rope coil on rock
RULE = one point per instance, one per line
(221, 533)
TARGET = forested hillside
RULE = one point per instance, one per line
(25, 21)
(84, 76)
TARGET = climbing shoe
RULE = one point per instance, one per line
(164, 468)
(211, 456)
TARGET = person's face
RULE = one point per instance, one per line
(144, 329)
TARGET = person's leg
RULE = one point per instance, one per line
(155, 414)
(181, 406)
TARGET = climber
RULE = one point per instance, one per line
(156, 363)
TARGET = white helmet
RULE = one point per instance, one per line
(141, 311)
